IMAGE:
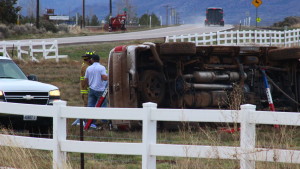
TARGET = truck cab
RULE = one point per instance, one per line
(214, 16)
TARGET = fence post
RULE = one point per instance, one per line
(56, 50)
(44, 49)
(270, 34)
(166, 39)
(217, 38)
(298, 37)
(196, 39)
(31, 51)
(149, 136)
(19, 50)
(237, 37)
(284, 38)
(189, 38)
(59, 134)
(4, 49)
(247, 137)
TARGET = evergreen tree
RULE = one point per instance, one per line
(154, 20)
(95, 21)
(145, 20)
(9, 11)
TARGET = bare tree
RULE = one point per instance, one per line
(128, 6)
(31, 8)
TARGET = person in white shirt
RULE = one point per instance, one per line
(96, 78)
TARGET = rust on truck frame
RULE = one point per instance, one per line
(182, 75)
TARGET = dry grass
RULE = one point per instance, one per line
(22, 158)
(296, 26)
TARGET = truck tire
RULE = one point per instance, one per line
(284, 54)
(152, 86)
(178, 48)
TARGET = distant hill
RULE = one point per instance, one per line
(190, 11)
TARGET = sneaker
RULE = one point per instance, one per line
(93, 126)
(76, 122)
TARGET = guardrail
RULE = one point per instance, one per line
(286, 38)
(30, 48)
(246, 153)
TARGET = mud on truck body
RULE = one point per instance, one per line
(182, 75)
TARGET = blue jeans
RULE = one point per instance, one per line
(93, 98)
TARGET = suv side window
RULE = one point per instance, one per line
(10, 70)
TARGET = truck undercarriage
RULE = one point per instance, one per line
(182, 75)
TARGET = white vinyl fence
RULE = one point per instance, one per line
(286, 38)
(49, 50)
(247, 153)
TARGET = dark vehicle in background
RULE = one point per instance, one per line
(17, 88)
(181, 75)
(214, 16)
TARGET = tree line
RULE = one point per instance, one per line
(9, 14)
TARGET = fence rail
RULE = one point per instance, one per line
(246, 153)
(49, 50)
(286, 38)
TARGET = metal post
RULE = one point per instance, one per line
(256, 17)
(81, 139)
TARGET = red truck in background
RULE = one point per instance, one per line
(117, 23)
(214, 16)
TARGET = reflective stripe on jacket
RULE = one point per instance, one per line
(83, 88)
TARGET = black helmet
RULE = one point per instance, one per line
(96, 58)
(88, 55)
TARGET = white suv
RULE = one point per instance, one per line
(16, 87)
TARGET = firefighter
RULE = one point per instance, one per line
(83, 87)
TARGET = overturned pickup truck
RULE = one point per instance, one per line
(182, 75)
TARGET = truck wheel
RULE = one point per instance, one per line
(178, 48)
(153, 87)
(284, 54)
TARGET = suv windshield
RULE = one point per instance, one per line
(8, 69)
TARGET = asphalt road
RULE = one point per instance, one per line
(149, 34)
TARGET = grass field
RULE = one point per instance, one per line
(65, 75)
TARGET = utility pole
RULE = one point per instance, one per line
(110, 9)
(83, 14)
(167, 15)
(110, 14)
(171, 14)
(38, 14)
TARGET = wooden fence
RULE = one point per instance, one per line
(247, 153)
